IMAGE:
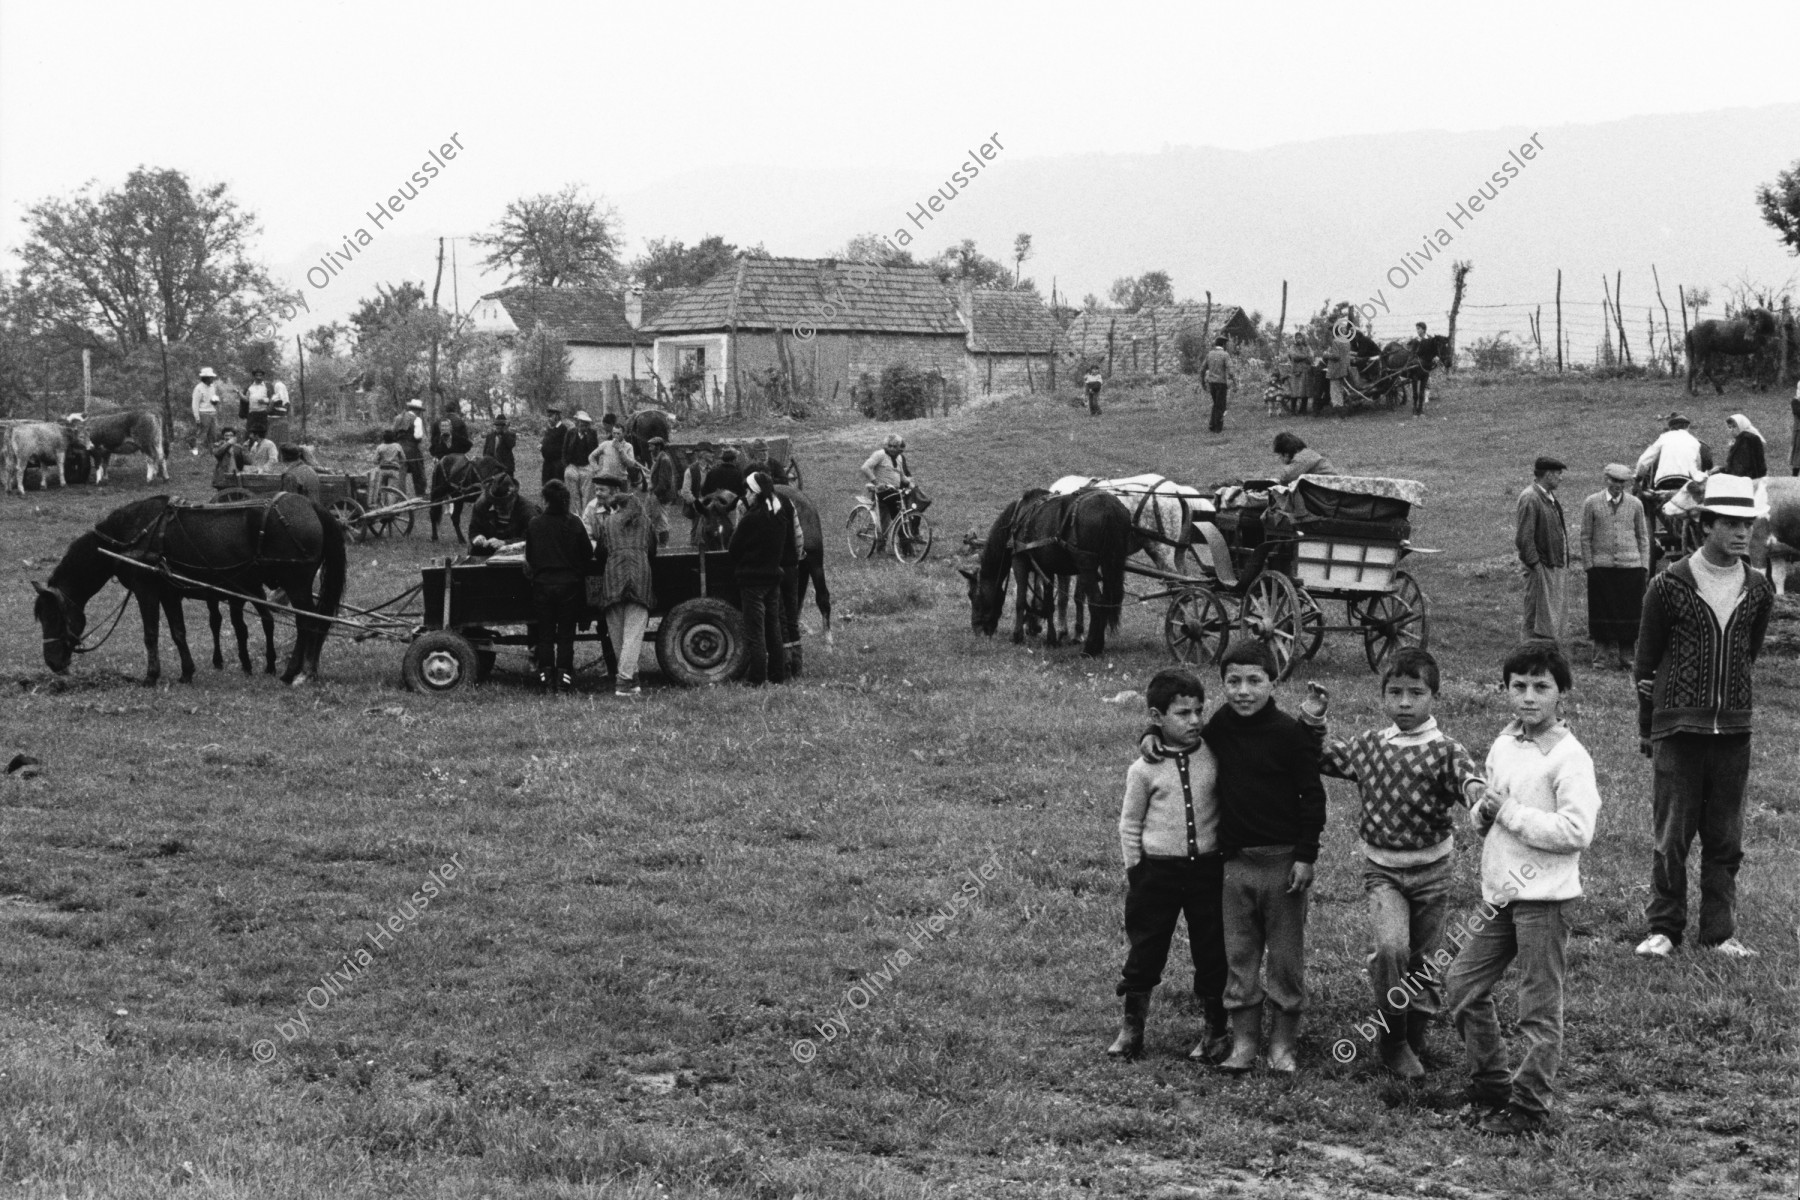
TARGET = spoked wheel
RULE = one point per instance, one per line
(1196, 628)
(861, 532)
(1312, 623)
(912, 538)
(1394, 621)
(231, 495)
(793, 473)
(1271, 613)
(349, 516)
(397, 523)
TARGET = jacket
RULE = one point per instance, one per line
(759, 544)
(662, 479)
(625, 540)
(1307, 462)
(498, 445)
(1701, 673)
(1614, 536)
(1747, 457)
(578, 446)
(450, 435)
(550, 449)
(557, 549)
(1543, 535)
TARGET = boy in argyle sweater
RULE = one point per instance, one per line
(1411, 777)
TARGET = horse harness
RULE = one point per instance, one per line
(1085, 560)
(273, 537)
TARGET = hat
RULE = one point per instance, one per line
(705, 448)
(581, 415)
(258, 371)
(553, 410)
(609, 419)
(415, 402)
(73, 418)
(1677, 421)
(499, 417)
(1545, 463)
(612, 481)
(659, 441)
(729, 453)
(1618, 471)
(207, 373)
(1732, 496)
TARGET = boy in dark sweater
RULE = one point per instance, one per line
(1271, 812)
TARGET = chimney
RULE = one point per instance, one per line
(634, 307)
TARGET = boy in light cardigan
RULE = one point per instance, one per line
(1538, 816)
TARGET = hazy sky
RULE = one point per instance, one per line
(313, 111)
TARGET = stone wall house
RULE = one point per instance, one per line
(603, 348)
(1148, 341)
(1013, 341)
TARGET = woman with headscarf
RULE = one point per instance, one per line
(762, 541)
(1747, 456)
(624, 540)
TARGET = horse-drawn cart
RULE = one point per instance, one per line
(474, 609)
(362, 510)
(1277, 554)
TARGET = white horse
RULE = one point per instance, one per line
(1163, 510)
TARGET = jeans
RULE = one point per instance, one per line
(1408, 907)
(1260, 916)
(1217, 423)
(761, 606)
(1536, 932)
(625, 626)
(206, 431)
(1544, 601)
(558, 605)
(1698, 788)
(1158, 893)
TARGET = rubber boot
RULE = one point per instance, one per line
(1418, 1024)
(1246, 1039)
(1282, 1042)
(1396, 1054)
(1130, 1042)
(795, 659)
(1217, 1042)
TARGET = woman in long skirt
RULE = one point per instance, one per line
(1615, 544)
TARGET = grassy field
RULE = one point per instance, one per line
(656, 909)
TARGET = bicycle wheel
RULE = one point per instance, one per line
(912, 540)
(862, 531)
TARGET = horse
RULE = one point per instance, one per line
(1424, 356)
(459, 479)
(118, 433)
(41, 444)
(1088, 535)
(645, 424)
(812, 552)
(1746, 334)
(283, 541)
(1162, 510)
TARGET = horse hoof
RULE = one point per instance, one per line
(297, 681)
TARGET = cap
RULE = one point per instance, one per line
(1618, 471)
(705, 448)
(207, 373)
(1733, 496)
(1546, 463)
(1677, 421)
(659, 441)
(499, 417)
(553, 410)
(258, 371)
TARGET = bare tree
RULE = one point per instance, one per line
(561, 239)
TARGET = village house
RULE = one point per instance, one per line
(1013, 341)
(1149, 341)
(602, 345)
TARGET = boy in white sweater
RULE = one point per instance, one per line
(1168, 833)
(1538, 816)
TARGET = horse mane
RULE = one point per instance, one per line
(125, 524)
(996, 552)
(82, 571)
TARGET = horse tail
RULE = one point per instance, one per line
(1115, 548)
(335, 561)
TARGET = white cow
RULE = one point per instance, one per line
(40, 444)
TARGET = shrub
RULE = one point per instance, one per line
(904, 393)
(1497, 353)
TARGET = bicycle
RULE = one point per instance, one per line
(868, 538)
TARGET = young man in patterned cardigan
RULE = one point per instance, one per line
(1411, 777)
(1701, 630)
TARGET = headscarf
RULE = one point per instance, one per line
(762, 490)
(1744, 426)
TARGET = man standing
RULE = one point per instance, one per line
(1217, 376)
(1543, 544)
(1092, 384)
(693, 491)
(263, 400)
(1337, 371)
(499, 443)
(662, 488)
(551, 448)
(450, 433)
(1615, 545)
(1703, 625)
(206, 412)
(1300, 365)
(577, 454)
(720, 492)
(409, 431)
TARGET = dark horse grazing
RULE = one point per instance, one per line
(1039, 537)
(645, 424)
(1746, 334)
(812, 553)
(282, 542)
(459, 479)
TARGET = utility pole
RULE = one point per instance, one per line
(433, 405)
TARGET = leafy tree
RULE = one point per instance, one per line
(394, 332)
(389, 304)
(669, 264)
(540, 368)
(1021, 252)
(964, 265)
(873, 248)
(327, 340)
(1780, 204)
(1150, 288)
(1090, 303)
(556, 239)
(155, 260)
(473, 364)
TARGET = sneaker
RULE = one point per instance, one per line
(1657, 945)
(568, 682)
(633, 690)
(1732, 948)
(194, 450)
(1512, 1122)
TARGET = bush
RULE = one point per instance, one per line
(1192, 349)
(1497, 353)
(902, 395)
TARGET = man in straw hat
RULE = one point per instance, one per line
(206, 412)
(1542, 539)
(408, 429)
(1703, 625)
(1615, 545)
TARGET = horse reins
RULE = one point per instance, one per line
(77, 647)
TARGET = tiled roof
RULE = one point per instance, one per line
(1003, 322)
(1164, 322)
(585, 315)
(821, 294)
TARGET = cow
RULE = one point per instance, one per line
(41, 444)
(122, 432)
(1775, 539)
(1746, 334)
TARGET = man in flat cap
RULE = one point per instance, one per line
(1543, 544)
(1615, 546)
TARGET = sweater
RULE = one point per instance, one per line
(1614, 535)
(1269, 789)
(1306, 462)
(1154, 816)
(1701, 671)
(1410, 784)
(1546, 819)
(759, 544)
(557, 549)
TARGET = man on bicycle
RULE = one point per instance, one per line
(889, 477)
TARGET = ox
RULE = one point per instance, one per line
(123, 432)
(41, 444)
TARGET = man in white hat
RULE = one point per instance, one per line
(408, 428)
(206, 412)
(1702, 629)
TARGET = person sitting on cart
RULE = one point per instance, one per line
(499, 443)
(889, 477)
(298, 475)
(662, 491)
(263, 456)
(1299, 459)
(230, 457)
(557, 557)
(625, 541)
(450, 433)
(501, 515)
(719, 495)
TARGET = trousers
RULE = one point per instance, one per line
(1536, 933)
(1159, 892)
(1698, 789)
(1408, 907)
(1263, 921)
(625, 627)
(761, 606)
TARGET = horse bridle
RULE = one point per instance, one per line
(75, 646)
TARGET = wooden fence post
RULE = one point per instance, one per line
(1559, 328)
(1281, 321)
(1668, 328)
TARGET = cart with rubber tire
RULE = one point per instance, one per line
(1274, 556)
(362, 511)
(475, 610)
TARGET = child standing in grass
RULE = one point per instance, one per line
(1168, 833)
(1411, 777)
(1537, 817)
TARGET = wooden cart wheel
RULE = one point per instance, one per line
(231, 496)
(438, 663)
(1270, 612)
(1196, 628)
(349, 516)
(860, 531)
(793, 473)
(1394, 621)
(701, 641)
(1312, 622)
(398, 523)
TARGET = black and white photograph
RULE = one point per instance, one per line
(803, 602)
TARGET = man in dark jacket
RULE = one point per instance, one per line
(450, 433)
(1702, 629)
(1542, 540)
(663, 488)
(557, 557)
(719, 493)
(763, 540)
(501, 515)
(499, 443)
(551, 448)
